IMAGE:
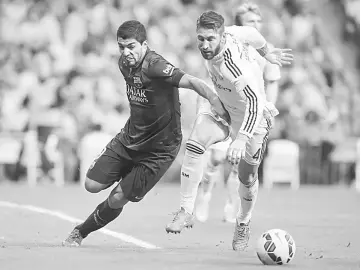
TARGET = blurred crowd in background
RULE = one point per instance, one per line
(59, 73)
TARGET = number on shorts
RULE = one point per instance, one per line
(257, 154)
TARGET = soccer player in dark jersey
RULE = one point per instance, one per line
(149, 142)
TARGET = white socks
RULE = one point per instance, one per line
(191, 175)
(248, 195)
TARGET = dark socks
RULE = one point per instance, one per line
(101, 216)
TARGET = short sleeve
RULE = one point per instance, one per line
(161, 69)
(248, 35)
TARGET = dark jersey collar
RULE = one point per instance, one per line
(141, 61)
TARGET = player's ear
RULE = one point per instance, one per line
(145, 43)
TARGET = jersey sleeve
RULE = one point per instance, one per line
(246, 78)
(160, 68)
(248, 34)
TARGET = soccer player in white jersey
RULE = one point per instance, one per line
(247, 14)
(237, 79)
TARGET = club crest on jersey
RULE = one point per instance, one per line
(137, 82)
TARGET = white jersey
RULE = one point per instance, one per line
(238, 78)
(271, 72)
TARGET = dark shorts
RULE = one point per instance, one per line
(138, 172)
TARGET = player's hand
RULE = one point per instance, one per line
(236, 151)
(279, 56)
(218, 109)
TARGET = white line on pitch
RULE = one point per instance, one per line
(124, 237)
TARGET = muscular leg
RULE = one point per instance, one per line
(216, 158)
(248, 175)
(206, 131)
(248, 190)
(93, 186)
(104, 213)
(133, 187)
(144, 174)
(108, 168)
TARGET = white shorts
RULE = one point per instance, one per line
(223, 146)
(255, 147)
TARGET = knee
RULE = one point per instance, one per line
(247, 173)
(216, 158)
(117, 198)
(207, 131)
(93, 186)
(247, 178)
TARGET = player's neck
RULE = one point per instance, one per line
(140, 60)
(218, 56)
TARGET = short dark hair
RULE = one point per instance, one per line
(132, 29)
(210, 20)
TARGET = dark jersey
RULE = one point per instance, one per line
(152, 90)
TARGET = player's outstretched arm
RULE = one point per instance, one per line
(254, 38)
(278, 56)
(205, 91)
